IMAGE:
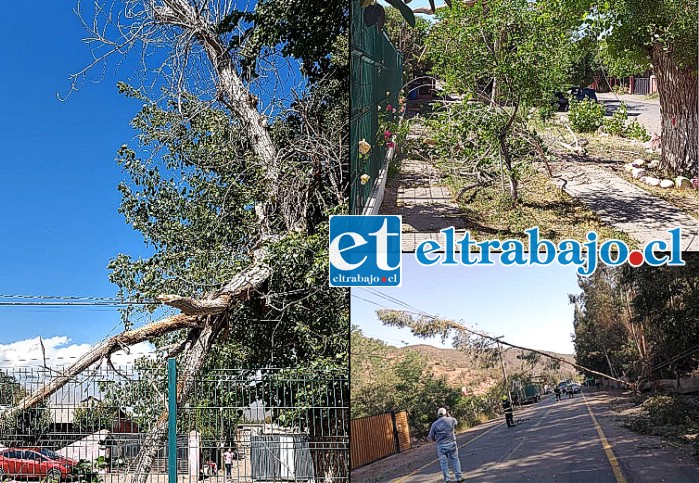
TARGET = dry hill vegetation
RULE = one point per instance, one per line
(420, 378)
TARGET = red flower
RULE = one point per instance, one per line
(387, 135)
(389, 108)
(390, 144)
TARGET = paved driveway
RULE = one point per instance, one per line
(646, 111)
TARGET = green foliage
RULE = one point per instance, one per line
(515, 43)
(410, 42)
(303, 29)
(586, 115)
(470, 136)
(86, 471)
(636, 131)
(393, 130)
(639, 322)
(27, 426)
(192, 187)
(90, 418)
(383, 379)
(632, 28)
(511, 54)
(616, 125)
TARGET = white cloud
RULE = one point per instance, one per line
(60, 352)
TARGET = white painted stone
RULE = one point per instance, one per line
(650, 181)
(639, 163)
(628, 167)
(638, 172)
(682, 182)
(667, 183)
(654, 164)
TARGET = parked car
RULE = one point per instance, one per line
(579, 93)
(577, 388)
(54, 456)
(28, 463)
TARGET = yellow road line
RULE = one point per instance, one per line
(606, 446)
(403, 478)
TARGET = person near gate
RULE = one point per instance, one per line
(228, 461)
(507, 407)
(443, 432)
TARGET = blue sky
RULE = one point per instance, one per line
(60, 223)
(528, 305)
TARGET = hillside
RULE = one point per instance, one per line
(461, 370)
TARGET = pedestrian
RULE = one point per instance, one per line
(507, 407)
(557, 392)
(443, 432)
(569, 390)
(228, 461)
(598, 383)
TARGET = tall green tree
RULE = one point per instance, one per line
(641, 323)
(508, 55)
(663, 35)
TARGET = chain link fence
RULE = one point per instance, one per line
(237, 425)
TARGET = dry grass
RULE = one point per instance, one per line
(489, 212)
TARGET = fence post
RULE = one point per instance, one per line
(396, 441)
(172, 420)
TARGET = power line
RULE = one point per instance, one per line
(67, 297)
(23, 300)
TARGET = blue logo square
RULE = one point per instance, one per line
(365, 251)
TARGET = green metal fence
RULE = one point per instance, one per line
(277, 425)
(377, 72)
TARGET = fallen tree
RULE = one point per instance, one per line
(239, 237)
(426, 326)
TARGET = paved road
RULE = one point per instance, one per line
(646, 111)
(553, 442)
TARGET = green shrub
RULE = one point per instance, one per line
(546, 111)
(585, 116)
(636, 131)
(616, 125)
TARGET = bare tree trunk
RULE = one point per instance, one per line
(193, 360)
(677, 88)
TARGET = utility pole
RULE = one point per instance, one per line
(504, 372)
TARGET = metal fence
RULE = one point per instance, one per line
(237, 425)
(379, 436)
(641, 86)
(376, 80)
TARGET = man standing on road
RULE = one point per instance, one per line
(443, 432)
(507, 407)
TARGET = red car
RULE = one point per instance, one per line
(28, 463)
